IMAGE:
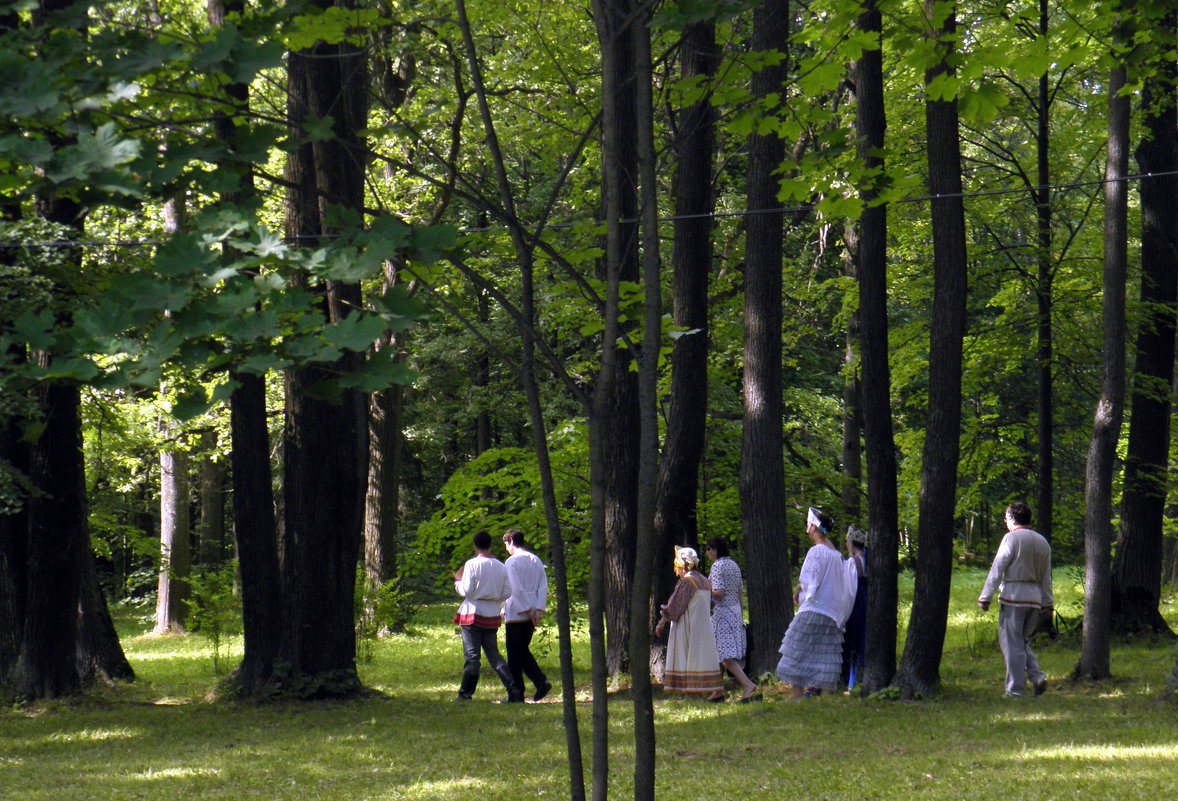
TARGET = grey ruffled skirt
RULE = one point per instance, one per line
(811, 652)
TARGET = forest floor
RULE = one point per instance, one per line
(162, 738)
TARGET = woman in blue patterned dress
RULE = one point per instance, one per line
(728, 615)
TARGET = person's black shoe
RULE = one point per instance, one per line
(461, 697)
(1040, 686)
(542, 691)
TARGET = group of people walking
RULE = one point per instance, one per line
(823, 647)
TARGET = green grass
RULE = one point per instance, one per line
(159, 738)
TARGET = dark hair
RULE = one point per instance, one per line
(515, 537)
(1020, 513)
(482, 541)
(719, 545)
(826, 522)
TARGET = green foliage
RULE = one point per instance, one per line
(213, 605)
(389, 608)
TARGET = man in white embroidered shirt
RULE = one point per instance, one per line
(1022, 567)
(482, 583)
(522, 611)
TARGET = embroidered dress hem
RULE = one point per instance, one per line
(692, 666)
(812, 652)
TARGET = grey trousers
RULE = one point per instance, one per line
(1015, 626)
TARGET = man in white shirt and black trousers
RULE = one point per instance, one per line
(522, 612)
(482, 582)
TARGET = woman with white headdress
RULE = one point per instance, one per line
(812, 650)
(692, 665)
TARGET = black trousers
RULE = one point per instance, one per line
(519, 655)
(474, 640)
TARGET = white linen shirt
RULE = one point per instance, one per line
(529, 586)
(825, 585)
(483, 587)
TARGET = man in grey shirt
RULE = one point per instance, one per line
(1021, 574)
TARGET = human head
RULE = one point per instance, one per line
(857, 537)
(1019, 513)
(819, 519)
(719, 545)
(686, 559)
(482, 541)
(514, 538)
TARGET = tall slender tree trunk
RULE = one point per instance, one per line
(1106, 427)
(920, 667)
(255, 527)
(852, 475)
(1044, 294)
(527, 375)
(762, 471)
(687, 408)
(621, 428)
(648, 376)
(1137, 567)
(211, 490)
(883, 518)
(171, 608)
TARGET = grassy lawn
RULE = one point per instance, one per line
(159, 738)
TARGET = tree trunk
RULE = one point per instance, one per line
(1137, 567)
(211, 483)
(1106, 427)
(14, 539)
(648, 376)
(46, 665)
(99, 653)
(852, 477)
(920, 667)
(621, 429)
(326, 443)
(171, 608)
(1044, 297)
(882, 514)
(762, 471)
(527, 375)
(687, 408)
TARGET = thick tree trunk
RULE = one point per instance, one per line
(14, 538)
(762, 471)
(1137, 567)
(46, 665)
(99, 653)
(687, 408)
(852, 475)
(326, 444)
(920, 667)
(382, 501)
(879, 444)
(1106, 427)
(171, 607)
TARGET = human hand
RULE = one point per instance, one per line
(984, 606)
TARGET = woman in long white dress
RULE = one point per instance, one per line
(692, 666)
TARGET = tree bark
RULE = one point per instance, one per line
(326, 445)
(211, 489)
(171, 608)
(879, 444)
(99, 652)
(1137, 567)
(691, 256)
(1106, 427)
(1044, 296)
(920, 667)
(46, 666)
(762, 470)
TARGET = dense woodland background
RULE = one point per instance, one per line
(323, 288)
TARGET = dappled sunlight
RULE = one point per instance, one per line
(440, 787)
(93, 735)
(151, 774)
(1167, 752)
